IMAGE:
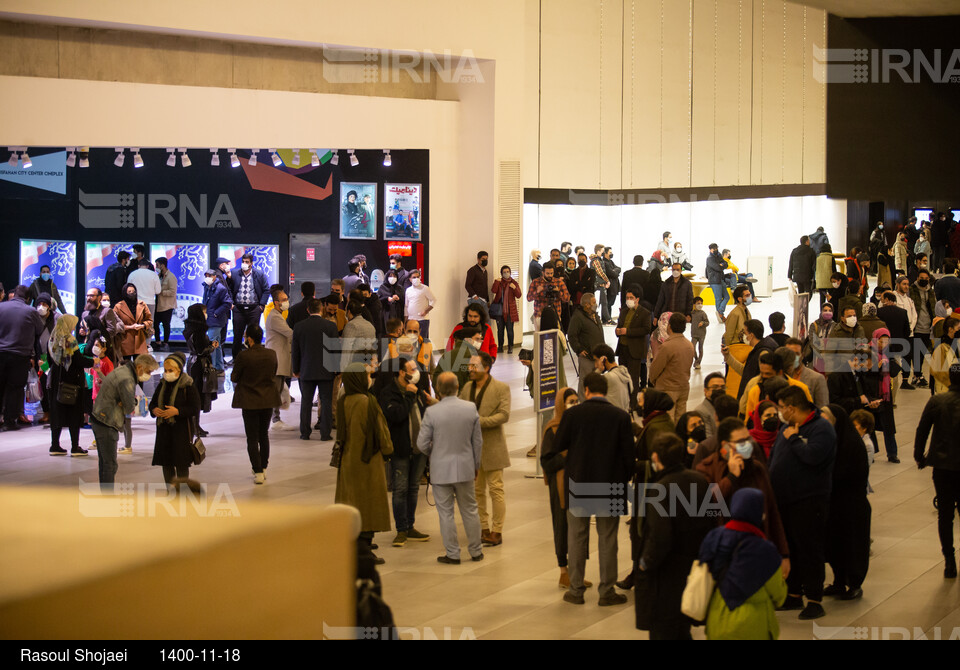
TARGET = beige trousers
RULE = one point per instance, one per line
(679, 403)
(492, 479)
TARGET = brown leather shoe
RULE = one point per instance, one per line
(44, 418)
(564, 582)
(485, 536)
(493, 540)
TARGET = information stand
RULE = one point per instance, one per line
(546, 362)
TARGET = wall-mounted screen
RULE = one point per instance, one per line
(62, 259)
(186, 262)
(264, 259)
(100, 256)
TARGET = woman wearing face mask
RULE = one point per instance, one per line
(819, 333)
(945, 355)
(506, 291)
(137, 322)
(65, 383)
(391, 295)
(200, 364)
(553, 476)
(765, 423)
(176, 406)
(50, 318)
(218, 304)
(583, 280)
(900, 255)
(365, 439)
(692, 430)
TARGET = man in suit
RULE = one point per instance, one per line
(251, 293)
(256, 394)
(298, 312)
(492, 399)
(279, 340)
(451, 437)
(594, 457)
(803, 266)
(359, 336)
(313, 363)
(635, 276)
(633, 329)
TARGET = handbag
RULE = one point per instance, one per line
(336, 456)
(211, 383)
(197, 447)
(496, 307)
(698, 592)
(32, 389)
(67, 394)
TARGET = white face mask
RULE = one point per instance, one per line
(97, 351)
(414, 378)
(43, 309)
(105, 303)
(835, 284)
(245, 267)
(851, 321)
(144, 377)
(391, 280)
(676, 273)
(415, 281)
(208, 281)
(171, 376)
(783, 417)
(285, 305)
(631, 304)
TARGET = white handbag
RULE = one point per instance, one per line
(698, 592)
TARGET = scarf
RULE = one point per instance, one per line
(764, 438)
(355, 383)
(131, 300)
(168, 394)
(663, 324)
(63, 344)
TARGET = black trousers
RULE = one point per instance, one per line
(559, 515)
(243, 317)
(256, 425)
(638, 373)
(947, 485)
(65, 416)
(13, 377)
(161, 322)
(848, 539)
(803, 286)
(169, 472)
(804, 523)
(504, 326)
(325, 391)
(919, 347)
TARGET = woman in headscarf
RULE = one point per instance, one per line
(945, 354)
(50, 317)
(391, 296)
(200, 364)
(692, 430)
(817, 338)
(66, 381)
(660, 335)
(364, 437)
(746, 568)
(176, 405)
(877, 388)
(553, 473)
(848, 520)
(137, 322)
(766, 425)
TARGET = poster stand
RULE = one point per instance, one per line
(546, 362)
(801, 308)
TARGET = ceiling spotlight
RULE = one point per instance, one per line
(296, 158)
(354, 161)
(71, 157)
(335, 159)
(85, 158)
(253, 158)
(185, 159)
(118, 161)
(234, 161)
(172, 158)
(27, 163)
(215, 157)
(14, 159)
(275, 157)
(314, 158)
(387, 161)
(137, 160)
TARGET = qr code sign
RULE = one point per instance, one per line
(548, 352)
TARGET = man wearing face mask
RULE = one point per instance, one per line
(476, 283)
(419, 301)
(582, 281)
(612, 271)
(257, 394)
(250, 293)
(166, 302)
(403, 276)
(313, 342)
(843, 341)
(714, 386)
(584, 334)
(676, 295)
(116, 275)
(217, 300)
(739, 315)
(279, 339)
(115, 400)
(922, 295)
(665, 247)
(921, 262)
(801, 469)
(44, 284)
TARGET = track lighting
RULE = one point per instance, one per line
(71, 157)
(296, 158)
(84, 156)
(354, 161)
(172, 158)
(137, 160)
(215, 157)
(234, 161)
(253, 158)
(14, 158)
(387, 161)
(185, 159)
(118, 161)
(335, 159)
(275, 157)
(27, 163)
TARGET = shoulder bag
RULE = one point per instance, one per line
(197, 446)
(700, 587)
(496, 307)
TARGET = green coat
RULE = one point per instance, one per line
(364, 485)
(754, 620)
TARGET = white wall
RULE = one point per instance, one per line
(750, 227)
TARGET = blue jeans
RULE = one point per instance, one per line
(720, 297)
(106, 438)
(216, 357)
(406, 473)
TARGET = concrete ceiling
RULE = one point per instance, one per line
(876, 8)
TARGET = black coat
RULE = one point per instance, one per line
(113, 282)
(751, 366)
(254, 377)
(390, 310)
(942, 414)
(297, 313)
(315, 352)
(172, 446)
(199, 348)
(803, 264)
(396, 405)
(634, 342)
(578, 285)
(75, 375)
(669, 545)
(898, 323)
(675, 296)
(634, 277)
(716, 264)
(612, 271)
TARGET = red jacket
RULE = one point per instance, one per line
(488, 344)
(507, 291)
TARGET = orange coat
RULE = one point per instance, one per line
(134, 341)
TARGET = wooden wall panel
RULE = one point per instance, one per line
(610, 76)
(814, 100)
(675, 92)
(642, 107)
(792, 157)
(706, 67)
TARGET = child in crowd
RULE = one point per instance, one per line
(864, 422)
(698, 330)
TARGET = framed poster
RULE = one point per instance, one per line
(358, 211)
(100, 256)
(401, 219)
(62, 259)
(187, 262)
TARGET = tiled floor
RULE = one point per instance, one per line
(513, 593)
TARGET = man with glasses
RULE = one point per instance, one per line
(714, 386)
(97, 316)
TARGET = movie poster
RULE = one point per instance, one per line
(62, 259)
(358, 211)
(100, 256)
(265, 259)
(187, 262)
(401, 219)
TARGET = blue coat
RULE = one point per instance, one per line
(802, 467)
(219, 303)
(260, 288)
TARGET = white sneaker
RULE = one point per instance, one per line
(280, 425)
(258, 478)
(264, 474)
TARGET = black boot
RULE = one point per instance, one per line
(950, 566)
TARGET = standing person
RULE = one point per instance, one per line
(492, 399)
(176, 405)
(419, 302)
(925, 303)
(67, 365)
(256, 394)
(362, 431)
(200, 349)
(506, 291)
(399, 400)
(818, 239)
(534, 269)
(670, 369)
(466, 343)
(20, 328)
(115, 401)
(633, 331)
(901, 254)
(945, 355)
(948, 286)
(612, 271)
(354, 277)
(582, 282)
(279, 339)
(803, 266)
(698, 330)
(476, 283)
(714, 386)
(670, 542)
(475, 316)
(801, 468)
(166, 301)
(148, 288)
(588, 456)
(716, 265)
(311, 362)
(665, 246)
(601, 282)
(116, 276)
(739, 315)
(676, 295)
(217, 300)
(250, 293)
(45, 284)
(403, 276)
(390, 295)
(298, 312)
(747, 570)
(635, 276)
(942, 414)
(584, 334)
(137, 322)
(878, 243)
(98, 317)
(620, 389)
(824, 273)
(359, 339)
(450, 436)
(139, 254)
(548, 290)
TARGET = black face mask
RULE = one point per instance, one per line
(922, 283)
(483, 263)
(771, 424)
(716, 394)
(581, 262)
(699, 434)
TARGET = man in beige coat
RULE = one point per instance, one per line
(279, 337)
(738, 316)
(492, 399)
(670, 370)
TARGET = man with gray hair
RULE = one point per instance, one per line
(585, 333)
(450, 437)
(115, 400)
